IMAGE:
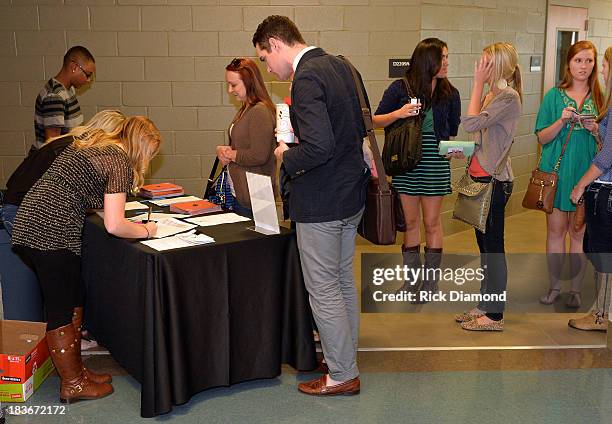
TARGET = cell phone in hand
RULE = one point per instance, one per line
(415, 101)
(586, 116)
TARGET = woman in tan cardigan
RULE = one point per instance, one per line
(251, 132)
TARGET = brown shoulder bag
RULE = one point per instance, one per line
(542, 187)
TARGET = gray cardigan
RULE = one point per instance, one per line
(496, 126)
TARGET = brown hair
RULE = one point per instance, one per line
(608, 99)
(593, 79)
(279, 27)
(253, 82)
(425, 63)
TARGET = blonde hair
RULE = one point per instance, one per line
(505, 65)
(137, 136)
(105, 120)
(608, 100)
(141, 140)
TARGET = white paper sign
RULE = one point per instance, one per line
(223, 218)
(263, 203)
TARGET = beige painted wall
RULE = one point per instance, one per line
(165, 59)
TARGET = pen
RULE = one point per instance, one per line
(149, 214)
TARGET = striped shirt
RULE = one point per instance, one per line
(56, 107)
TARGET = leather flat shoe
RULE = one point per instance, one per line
(318, 387)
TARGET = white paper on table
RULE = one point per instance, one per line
(263, 203)
(223, 218)
(156, 216)
(192, 237)
(167, 202)
(135, 206)
(178, 241)
(170, 226)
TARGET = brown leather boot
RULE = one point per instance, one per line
(77, 320)
(75, 384)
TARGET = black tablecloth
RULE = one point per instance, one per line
(184, 320)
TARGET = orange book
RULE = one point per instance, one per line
(197, 207)
(154, 191)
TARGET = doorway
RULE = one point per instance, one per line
(564, 26)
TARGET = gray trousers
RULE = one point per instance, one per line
(326, 253)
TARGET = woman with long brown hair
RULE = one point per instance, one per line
(97, 170)
(423, 188)
(251, 132)
(578, 94)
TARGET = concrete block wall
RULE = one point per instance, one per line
(166, 58)
(468, 26)
(600, 25)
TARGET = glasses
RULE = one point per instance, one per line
(88, 75)
(235, 64)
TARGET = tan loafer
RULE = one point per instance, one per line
(318, 387)
(591, 322)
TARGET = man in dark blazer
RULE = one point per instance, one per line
(328, 187)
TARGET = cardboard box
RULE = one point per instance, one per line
(24, 359)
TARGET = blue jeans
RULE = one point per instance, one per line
(7, 216)
(21, 295)
(492, 250)
(598, 217)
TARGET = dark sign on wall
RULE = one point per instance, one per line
(398, 67)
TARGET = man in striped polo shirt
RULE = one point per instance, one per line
(57, 108)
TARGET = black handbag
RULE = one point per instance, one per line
(403, 147)
(383, 214)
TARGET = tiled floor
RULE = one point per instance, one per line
(543, 326)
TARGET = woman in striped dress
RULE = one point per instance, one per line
(423, 188)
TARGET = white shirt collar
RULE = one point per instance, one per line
(299, 56)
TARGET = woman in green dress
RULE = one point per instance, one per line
(578, 94)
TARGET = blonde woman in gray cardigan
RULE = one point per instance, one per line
(494, 119)
(251, 133)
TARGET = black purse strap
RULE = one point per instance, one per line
(367, 120)
(210, 183)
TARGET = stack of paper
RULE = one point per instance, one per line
(170, 226)
(167, 202)
(177, 241)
